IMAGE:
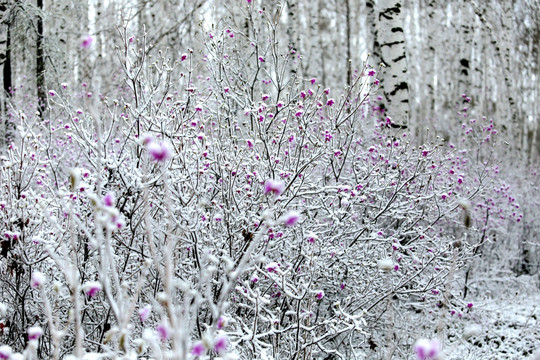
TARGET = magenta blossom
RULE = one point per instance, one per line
(92, 288)
(311, 237)
(144, 313)
(426, 349)
(198, 349)
(163, 331)
(291, 218)
(87, 42)
(159, 152)
(274, 186)
(272, 267)
(221, 323)
(109, 199)
(220, 344)
(5, 352)
(37, 279)
(34, 333)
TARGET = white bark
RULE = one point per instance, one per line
(391, 39)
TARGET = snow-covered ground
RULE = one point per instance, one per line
(503, 324)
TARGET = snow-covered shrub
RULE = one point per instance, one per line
(222, 206)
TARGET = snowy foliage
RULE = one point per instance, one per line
(221, 206)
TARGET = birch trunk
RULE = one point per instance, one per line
(391, 40)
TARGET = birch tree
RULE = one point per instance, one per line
(391, 41)
(5, 61)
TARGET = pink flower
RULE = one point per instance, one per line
(183, 57)
(330, 102)
(291, 218)
(312, 81)
(327, 136)
(272, 267)
(163, 331)
(34, 333)
(298, 113)
(87, 42)
(5, 352)
(470, 305)
(52, 92)
(119, 223)
(37, 279)
(426, 349)
(319, 295)
(144, 313)
(159, 151)
(220, 344)
(261, 59)
(274, 186)
(92, 288)
(198, 349)
(109, 199)
(221, 323)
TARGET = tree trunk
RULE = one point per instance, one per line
(6, 71)
(463, 28)
(292, 28)
(7, 75)
(391, 41)
(348, 44)
(40, 62)
(502, 41)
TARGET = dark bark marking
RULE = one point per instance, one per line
(401, 86)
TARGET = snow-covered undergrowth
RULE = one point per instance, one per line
(220, 206)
